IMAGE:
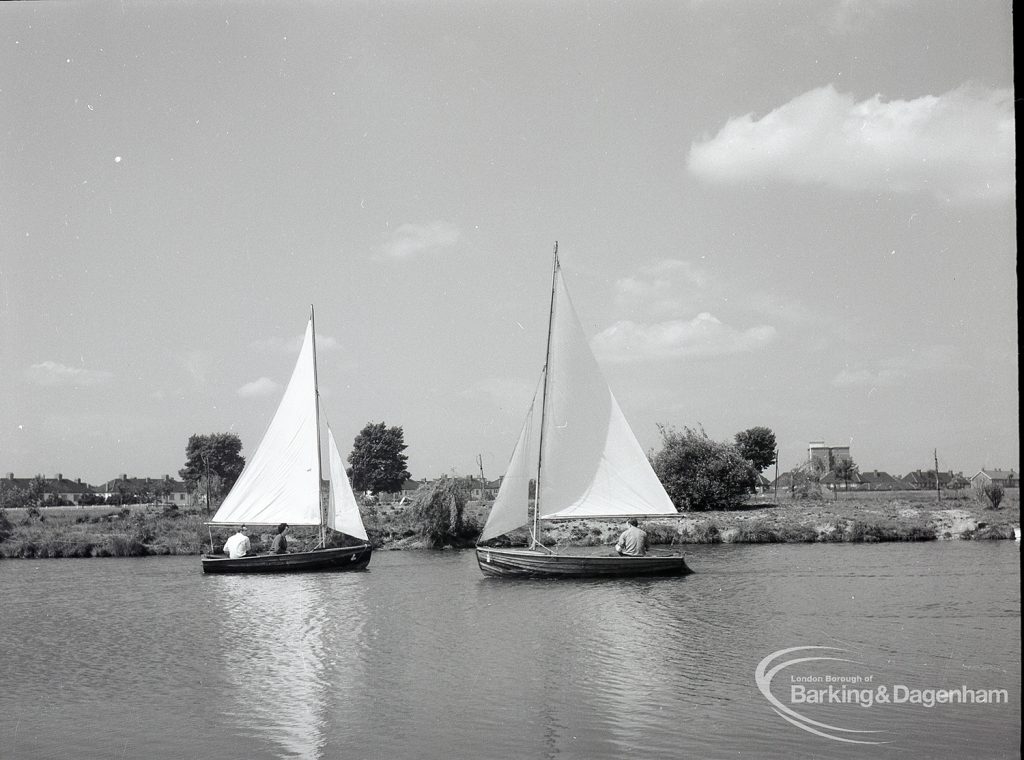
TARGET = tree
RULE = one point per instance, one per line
(378, 463)
(213, 461)
(437, 510)
(845, 469)
(758, 445)
(37, 490)
(994, 493)
(805, 480)
(699, 473)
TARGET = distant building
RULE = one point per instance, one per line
(826, 457)
(876, 480)
(1004, 478)
(127, 490)
(925, 479)
(57, 490)
(409, 487)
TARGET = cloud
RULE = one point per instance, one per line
(53, 374)
(665, 287)
(886, 372)
(259, 388)
(704, 335)
(412, 240)
(957, 146)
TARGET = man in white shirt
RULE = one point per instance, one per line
(633, 541)
(238, 545)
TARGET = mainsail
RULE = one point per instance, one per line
(281, 481)
(342, 508)
(591, 465)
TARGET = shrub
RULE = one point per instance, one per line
(437, 511)
(5, 525)
(703, 533)
(756, 532)
(124, 546)
(994, 493)
(701, 474)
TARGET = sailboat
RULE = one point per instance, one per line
(281, 482)
(588, 465)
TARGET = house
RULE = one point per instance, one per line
(71, 491)
(925, 480)
(478, 489)
(125, 490)
(876, 480)
(1004, 478)
(409, 487)
(56, 491)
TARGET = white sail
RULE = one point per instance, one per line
(281, 480)
(342, 508)
(511, 506)
(592, 464)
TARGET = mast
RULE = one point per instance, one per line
(319, 463)
(544, 399)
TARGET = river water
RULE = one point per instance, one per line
(422, 657)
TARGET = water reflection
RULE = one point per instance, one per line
(287, 644)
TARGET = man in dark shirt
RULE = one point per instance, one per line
(280, 545)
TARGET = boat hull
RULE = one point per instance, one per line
(525, 563)
(336, 559)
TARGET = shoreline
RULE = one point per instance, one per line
(148, 530)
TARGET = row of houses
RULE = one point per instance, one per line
(123, 489)
(167, 490)
(918, 480)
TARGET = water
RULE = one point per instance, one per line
(422, 657)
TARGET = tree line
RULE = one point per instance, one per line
(377, 462)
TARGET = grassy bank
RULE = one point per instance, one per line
(870, 517)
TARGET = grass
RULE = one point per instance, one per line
(851, 518)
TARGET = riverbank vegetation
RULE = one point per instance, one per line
(438, 520)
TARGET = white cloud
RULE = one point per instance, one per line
(885, 372)
(957, 146)
(259, 388)
(411, 240)
(627, 341)
(54, 374)
(662, 288)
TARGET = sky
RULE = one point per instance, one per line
(799, 215)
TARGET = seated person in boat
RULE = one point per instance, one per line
(280, 545)
(238, 545)
(633, 541)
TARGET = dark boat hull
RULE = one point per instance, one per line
(525, 563)
(336, 559)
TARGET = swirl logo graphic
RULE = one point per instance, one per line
(763, 676)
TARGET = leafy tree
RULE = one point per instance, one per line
(699, 473)
(845, 469)
(37, 490)
(14, 498)
(437, 510)
(758, 445)
(216, 457)
(378, 463)
(994, 493)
